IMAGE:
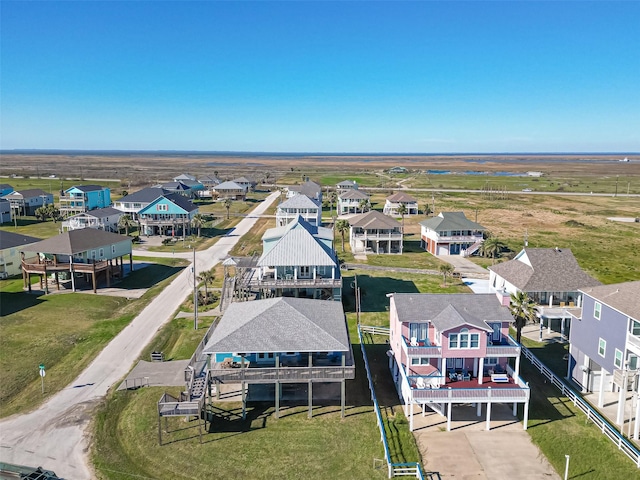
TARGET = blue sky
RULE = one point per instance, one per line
(321, 76)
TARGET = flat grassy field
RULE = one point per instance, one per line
(64, 331)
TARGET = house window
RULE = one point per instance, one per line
(602, 347)
(475, 340)
(453, 340)
(596, 310)
(464, 339)
(101, 253)
(634, 327)
(491, 361)
(618, 359)
(420, 361)
(162, 207)
(113, 249)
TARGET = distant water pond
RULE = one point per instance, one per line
(475, 172)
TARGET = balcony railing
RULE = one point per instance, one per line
(377, 236)
(283, 374)
(321, 282)
(460, 238)
(178, 222)
(470, 395)
(507, 347)
(422, 350)
(633, 341)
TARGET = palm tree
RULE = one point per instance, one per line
(227, 204)
(342, 226)
(402, 210)
(206, 277)
(427, 209)
(446, 269)
(197, 222)
(332, 200)
(492, 247)
(523, 310)
(126, 222)
(364, 205)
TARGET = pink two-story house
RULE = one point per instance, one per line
(449, 349)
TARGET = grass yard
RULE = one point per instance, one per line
(558, 428)
(63, 331)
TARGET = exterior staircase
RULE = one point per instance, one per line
(472, 249)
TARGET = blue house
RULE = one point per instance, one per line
(605, 341)
(5, 189)
(169, 214)
(83, 198)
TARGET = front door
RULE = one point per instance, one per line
(305, 271)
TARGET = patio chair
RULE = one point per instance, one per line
(414, 342)
(453, 376)
(420, 383)
(466, 375)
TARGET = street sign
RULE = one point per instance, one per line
(42, 373)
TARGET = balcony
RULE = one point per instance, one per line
(506, 347)
(391, 236)
(423, 349)
(250, 374)
(269, 281)
(460, 238)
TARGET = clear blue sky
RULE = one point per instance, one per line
(321, 76)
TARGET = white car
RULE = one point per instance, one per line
(527, 190)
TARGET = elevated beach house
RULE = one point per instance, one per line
(102, 218)
(170, 214)
(452, 349)
(5, 211)
(346, 185)
(309, 188)
(81, 256)
(299, 206)
(83, 198)
(230, 190)
(298, 260)
(132, 204)
(393, 202)
(26, 202)
(605, 343)
(374, 232)
(11, 244)
(350, 202)
(451, 233)
(281, 349)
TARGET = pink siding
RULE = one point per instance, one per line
(481, 351)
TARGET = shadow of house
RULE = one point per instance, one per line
(373, 291)
(12, 302)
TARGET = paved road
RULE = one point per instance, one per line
(54, 435)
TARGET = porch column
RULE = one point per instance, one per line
(295, 273)
(310, 387)
(541, 327)
(517, 370)
(488, 425)
(636, 428)
(46, 280)
(525, 420)
(562, 326)
(515, 408)
(333, 273)
(551, 300)
(622, 399)
(57, 281)
(449, 405)
(343, 387)
(93, 276)
(411, 417)
(314, 272)
(480, 370)
(479, 409)
(475, 367)
(244, 402)
(277, 385)
(72, 274)
(603, 372)
(130, 262)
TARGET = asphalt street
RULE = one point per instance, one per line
(54, 436)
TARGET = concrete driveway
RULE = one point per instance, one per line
(468, 451)
(54, 435)
(465, 267)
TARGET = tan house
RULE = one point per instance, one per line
(374, 232)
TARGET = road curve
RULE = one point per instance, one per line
(54, 435)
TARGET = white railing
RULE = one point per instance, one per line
(375, 330)
(592, 414)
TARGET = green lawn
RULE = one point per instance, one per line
(64, 331)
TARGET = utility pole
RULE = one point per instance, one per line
(195, 292)
(616, 194)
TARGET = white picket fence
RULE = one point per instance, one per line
(605, 427)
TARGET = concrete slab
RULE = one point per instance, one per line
(478, 285)
(465, 267)
(156, 374)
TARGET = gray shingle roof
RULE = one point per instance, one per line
(401, 197)
(623, 297)
(29, 193)
(78, 241)
(308, 188)
(298, 246)
(373, 220)
(299, 201)
(447, 221)
(353, 195)
(12, 240)
(281, 325)
(450, 310)
(346, 183)
(182, 202)
(100, 212)
(86, 188)
(146, 195)
(228, 186)
(545, 270)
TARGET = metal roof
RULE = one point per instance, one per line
(281, 324)
(447, 221)
(623, 297)
(298, 246)
(319, 232)
(450, 310)
(299, 201)
(545, 270)
(86, 188)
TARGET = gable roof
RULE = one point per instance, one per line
(30, 193)
(308, 188)
(99, 213)
(447, 221)
(78, 241)
(373, 219)
(545, 270)
(209, 179)
(346, 183)
(12, 240)
(401, 197)
(179, 186)
(146, 195)
(86, 188)
(281, 324)
(175, 198)
(319, 232)
(450, 310)
(298, 246)
(299, 201)
(5, 186)
(243, 180)
(184, 176)
(229, 185)
(623, 297)
(353, 195)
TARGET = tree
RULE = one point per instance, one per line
(227, 204)
(446, 269)
(364, 205)
(402, 210)
(198, 222)
(126, 222)
(53, 212)
(41, 213)
(333, 196)
(207, 277)
(342, 226)
(427, 209)
(124, 193)
(523, 310)
(492, 247)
